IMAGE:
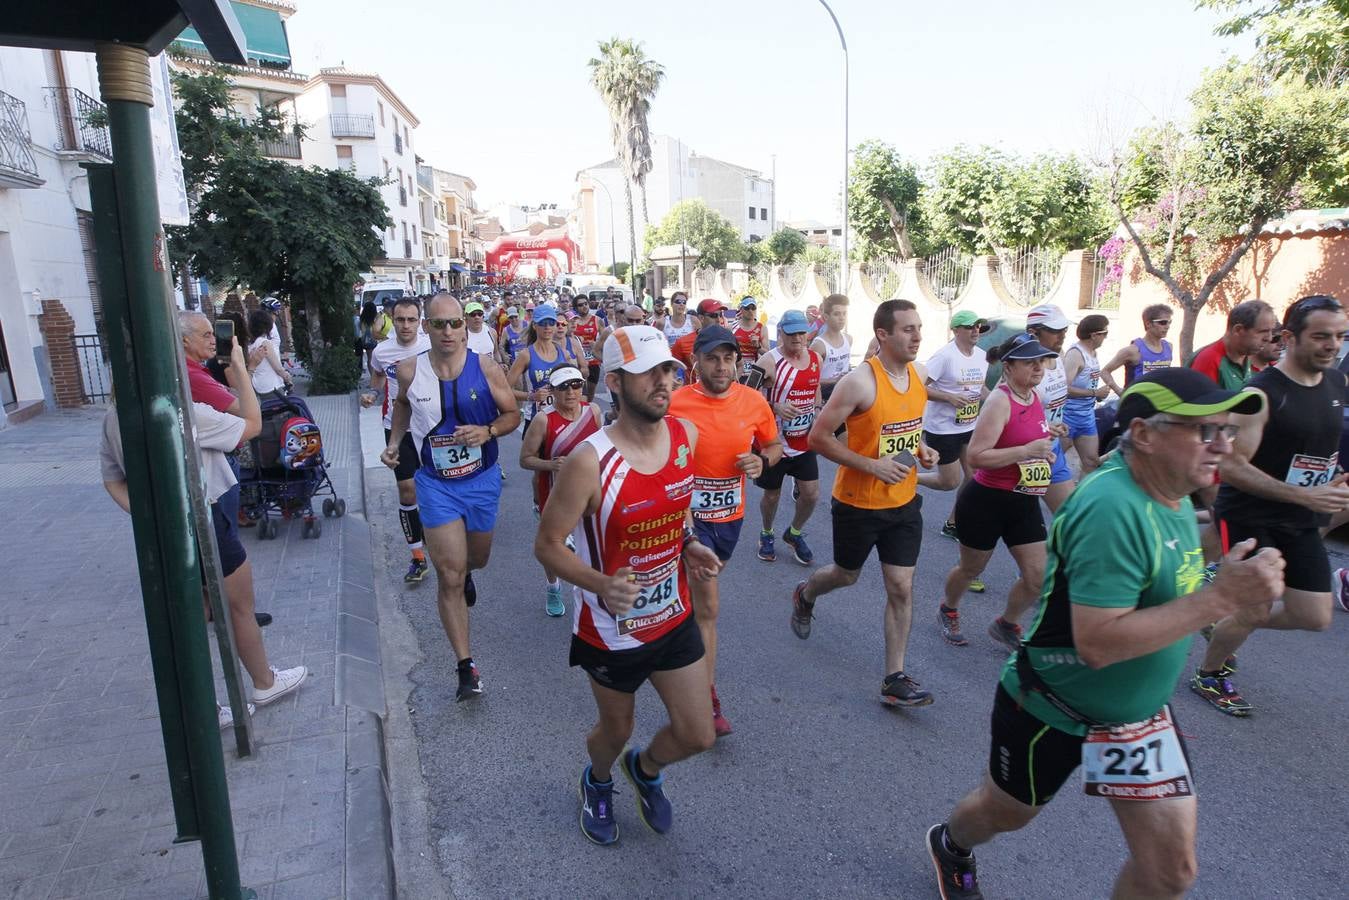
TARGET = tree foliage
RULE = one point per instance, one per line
(883, 210)
(782, 246)
(1307, 39)
(694, 223)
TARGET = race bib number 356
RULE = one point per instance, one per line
(714, 499)
(1141, 761)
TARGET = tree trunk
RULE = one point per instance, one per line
(632, 223)
(1188, 319)
(900, 227)
(314, 328)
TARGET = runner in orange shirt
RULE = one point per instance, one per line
(732, 422)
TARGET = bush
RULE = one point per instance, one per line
(337, 371)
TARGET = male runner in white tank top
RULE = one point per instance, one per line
(833, 346)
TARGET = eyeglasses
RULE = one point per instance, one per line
(1207, 430)
(440, 324)
(571, 385)
(1162, 322)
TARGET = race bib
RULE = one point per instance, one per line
(1140, 761)
(658, 602)
(897, 437)
(1034, 478)
(1054, 411)
(798, 426)
(451, 460)
(1311, 471)
(716, 498)
(967, 413)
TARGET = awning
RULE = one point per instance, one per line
(264, 33)
(455, 267)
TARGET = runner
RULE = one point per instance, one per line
(732, 421)
(481, 338)
(407, 340)
(832, 345)
(876, 502)
(791, 380)
(512, 336)
(678, 323)
(1011, 451)
(1083, 372)
(1048, 325)
(586, 327)
(1280, 485)
(604, 399)
(955, 391)
(456, 404)
(708, 314)
(749, 335)
(1143, 354)
(548, 440)
(625, 491)
(1227, 360)
(1109, 642)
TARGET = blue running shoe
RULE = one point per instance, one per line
(800, 549)
(555, 605)
(416, 571)
(597, 810)
(651, 803)
(766, 551)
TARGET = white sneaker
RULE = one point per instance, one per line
(1339, 586)
(225, 715)
(285, 681)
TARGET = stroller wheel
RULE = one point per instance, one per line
(340, 506)
(313, 528)
(327, 507)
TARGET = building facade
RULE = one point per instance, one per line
(461, 212)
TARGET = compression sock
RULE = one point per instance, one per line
(411, 519)
(950, 845)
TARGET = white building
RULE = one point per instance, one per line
(356, 121)
(50, 122)
(743, 195)
(818, 233)
(465, 248)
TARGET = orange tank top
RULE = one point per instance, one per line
(894, 423)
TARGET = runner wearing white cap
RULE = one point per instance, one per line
(1050, 326)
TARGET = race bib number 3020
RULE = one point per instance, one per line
(1140, 761)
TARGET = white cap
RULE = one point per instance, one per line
(637, 349)
(1046, 315)
(562, 375)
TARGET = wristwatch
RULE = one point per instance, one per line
(492, 430)
(689, 536)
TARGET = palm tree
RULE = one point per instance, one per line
(626, 81)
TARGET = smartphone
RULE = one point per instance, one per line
(224, 338)
(753, 378)
(905, 458)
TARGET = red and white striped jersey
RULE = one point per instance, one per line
(639, 524)
(560, 438)
(799, 387)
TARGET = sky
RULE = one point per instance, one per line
(502, 91)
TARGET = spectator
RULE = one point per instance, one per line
(269, 375)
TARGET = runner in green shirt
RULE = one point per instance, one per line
(1123, 592)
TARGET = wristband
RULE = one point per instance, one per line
(689, 536)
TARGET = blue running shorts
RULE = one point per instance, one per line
(445, 500)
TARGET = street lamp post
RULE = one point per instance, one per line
(843, 263)
(613, 256)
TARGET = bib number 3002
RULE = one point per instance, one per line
(1140, 761)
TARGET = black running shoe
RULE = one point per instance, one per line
(263, 619)
(956, 875)
(901, 690)
(470, 590)
(470, 684)
(802, 612)
(597, 810)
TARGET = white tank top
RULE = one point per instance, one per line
(1053, 392)
(424, 398)
(672, 333)
(837, 360)
(481, 342)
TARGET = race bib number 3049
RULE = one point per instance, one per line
(1141, 761)
(898, 437)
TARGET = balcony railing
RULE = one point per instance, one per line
(81, 122)
(285, 147)
(18, 167)
(347, 125)
(402, 195)
(397, 143)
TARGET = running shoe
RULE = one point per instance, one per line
(570, 543)
(720, 724)
(652, 805)
(416, 571)
(470, 590)
(1219, 691)
(901, 690)
(1339, 585)
(597, 810)
(225, 715)
(949, 530)
(1006, 633)
(800, 549)
(555, 607)
(950, 626)
(766, 551)
(956, 875)
(470, 684)
(802, 612)
(263, 619)
(1210, 573)
(977, 586)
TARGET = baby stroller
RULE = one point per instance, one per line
(282, 469)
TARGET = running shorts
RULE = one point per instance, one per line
(1059, 471)
(719, 537)
(225, 523)
(986, 515)
(802, 467)
(627, 670)
(408, 463)
(897, 534)
(948, 446)
(446, 500)
(1304, 551)
(1081, 421)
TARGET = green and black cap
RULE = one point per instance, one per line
(1182, 392)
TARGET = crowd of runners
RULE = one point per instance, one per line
(1197, 503)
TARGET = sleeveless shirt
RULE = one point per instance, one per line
(439, 407)
(1149, 360)
(893, 424)
(798, 387)
(1026, 423)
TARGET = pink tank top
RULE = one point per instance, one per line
(1026, 424)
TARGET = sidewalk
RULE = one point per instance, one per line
(86, 810)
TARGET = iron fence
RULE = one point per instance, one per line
(948, 271)
(95, 379)
(285, 147)
(1030, 272)
(348, 125)
(884, 277)
(81, 121)
(16, 141)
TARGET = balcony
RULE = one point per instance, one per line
(81, 122)
(285, 147)
(18, 167)
(402, 195)
(397, 143)
(344, 125)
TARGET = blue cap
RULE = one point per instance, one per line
(545, 313)
(748, 301)
(793, 321)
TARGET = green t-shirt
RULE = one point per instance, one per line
(1111, 545)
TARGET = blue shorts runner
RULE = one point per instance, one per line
(1081, 420)
(475, 500)
(719, 537)
(1059, 471)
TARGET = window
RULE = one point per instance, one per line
(381, 113)
(386, 168)
(751, 212)
(407, 139)
(837, 231)
(395, 122)
(337, 90)
(414, 231)
(344, 158)
(763, 213)
(405, 231)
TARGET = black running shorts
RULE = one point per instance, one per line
(986, 515)
(897, 534)
(627, 670)
(948, 446)
(802, 467)
(408, 463)
(1304, 551)
(1027, 758)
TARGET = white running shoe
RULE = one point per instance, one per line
(1339, 585)
(285, 681)
(225, 715)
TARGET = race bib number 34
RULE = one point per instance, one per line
(1141, 761)
(897, 437)
(453, 460)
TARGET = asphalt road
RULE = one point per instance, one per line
(822, 791)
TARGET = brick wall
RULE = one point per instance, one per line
(58, 331)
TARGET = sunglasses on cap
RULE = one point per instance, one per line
(439, 324)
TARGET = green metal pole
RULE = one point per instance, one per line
(148, 344)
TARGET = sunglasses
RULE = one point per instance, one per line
(1162, 322)
(1099, 333)
(477, 315)
(571, 385)
(440, 324)
(680, 302)
(1208, 431)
